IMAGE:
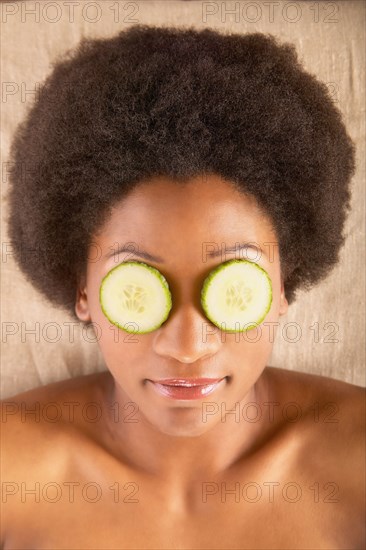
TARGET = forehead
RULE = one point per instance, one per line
(161, 212)
(179, 225)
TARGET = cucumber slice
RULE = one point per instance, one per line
(237, 295)
(135, 296)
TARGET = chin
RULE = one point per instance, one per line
(180, 422)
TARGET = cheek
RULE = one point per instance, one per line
(274, 273)
(249, 350)
(120, 347)
(114, 343)
(254, 346)
(122, 352)
(270, 323)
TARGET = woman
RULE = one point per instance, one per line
(172, 152)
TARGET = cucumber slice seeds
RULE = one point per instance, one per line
(236, 296)
(134, 293)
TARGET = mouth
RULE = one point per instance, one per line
(187, 388)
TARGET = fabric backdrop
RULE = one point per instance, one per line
(323, 331)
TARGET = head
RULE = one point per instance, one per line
(170, 138)
(177, 224)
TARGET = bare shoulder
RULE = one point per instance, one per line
(41, 434)
(55, 393)
(330, 422)
(336, 401)
(329, 414)
(60, 389)
(35, 422)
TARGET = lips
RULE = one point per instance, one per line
(188, 382)
(187, 388)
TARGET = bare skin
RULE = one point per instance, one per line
(283, 469)
(305, 476)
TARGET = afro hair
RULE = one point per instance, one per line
(177, 102)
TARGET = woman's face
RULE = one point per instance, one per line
(179, 226)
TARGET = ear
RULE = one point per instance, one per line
(283, 300)
(81, 303)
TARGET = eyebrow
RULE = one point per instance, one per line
(212, 254)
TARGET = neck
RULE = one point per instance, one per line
(144, 447)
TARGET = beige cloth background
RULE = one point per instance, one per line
(330, 40)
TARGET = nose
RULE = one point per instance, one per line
(187, 336)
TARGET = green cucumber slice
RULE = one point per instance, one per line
(237, 295)
(135, 297)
